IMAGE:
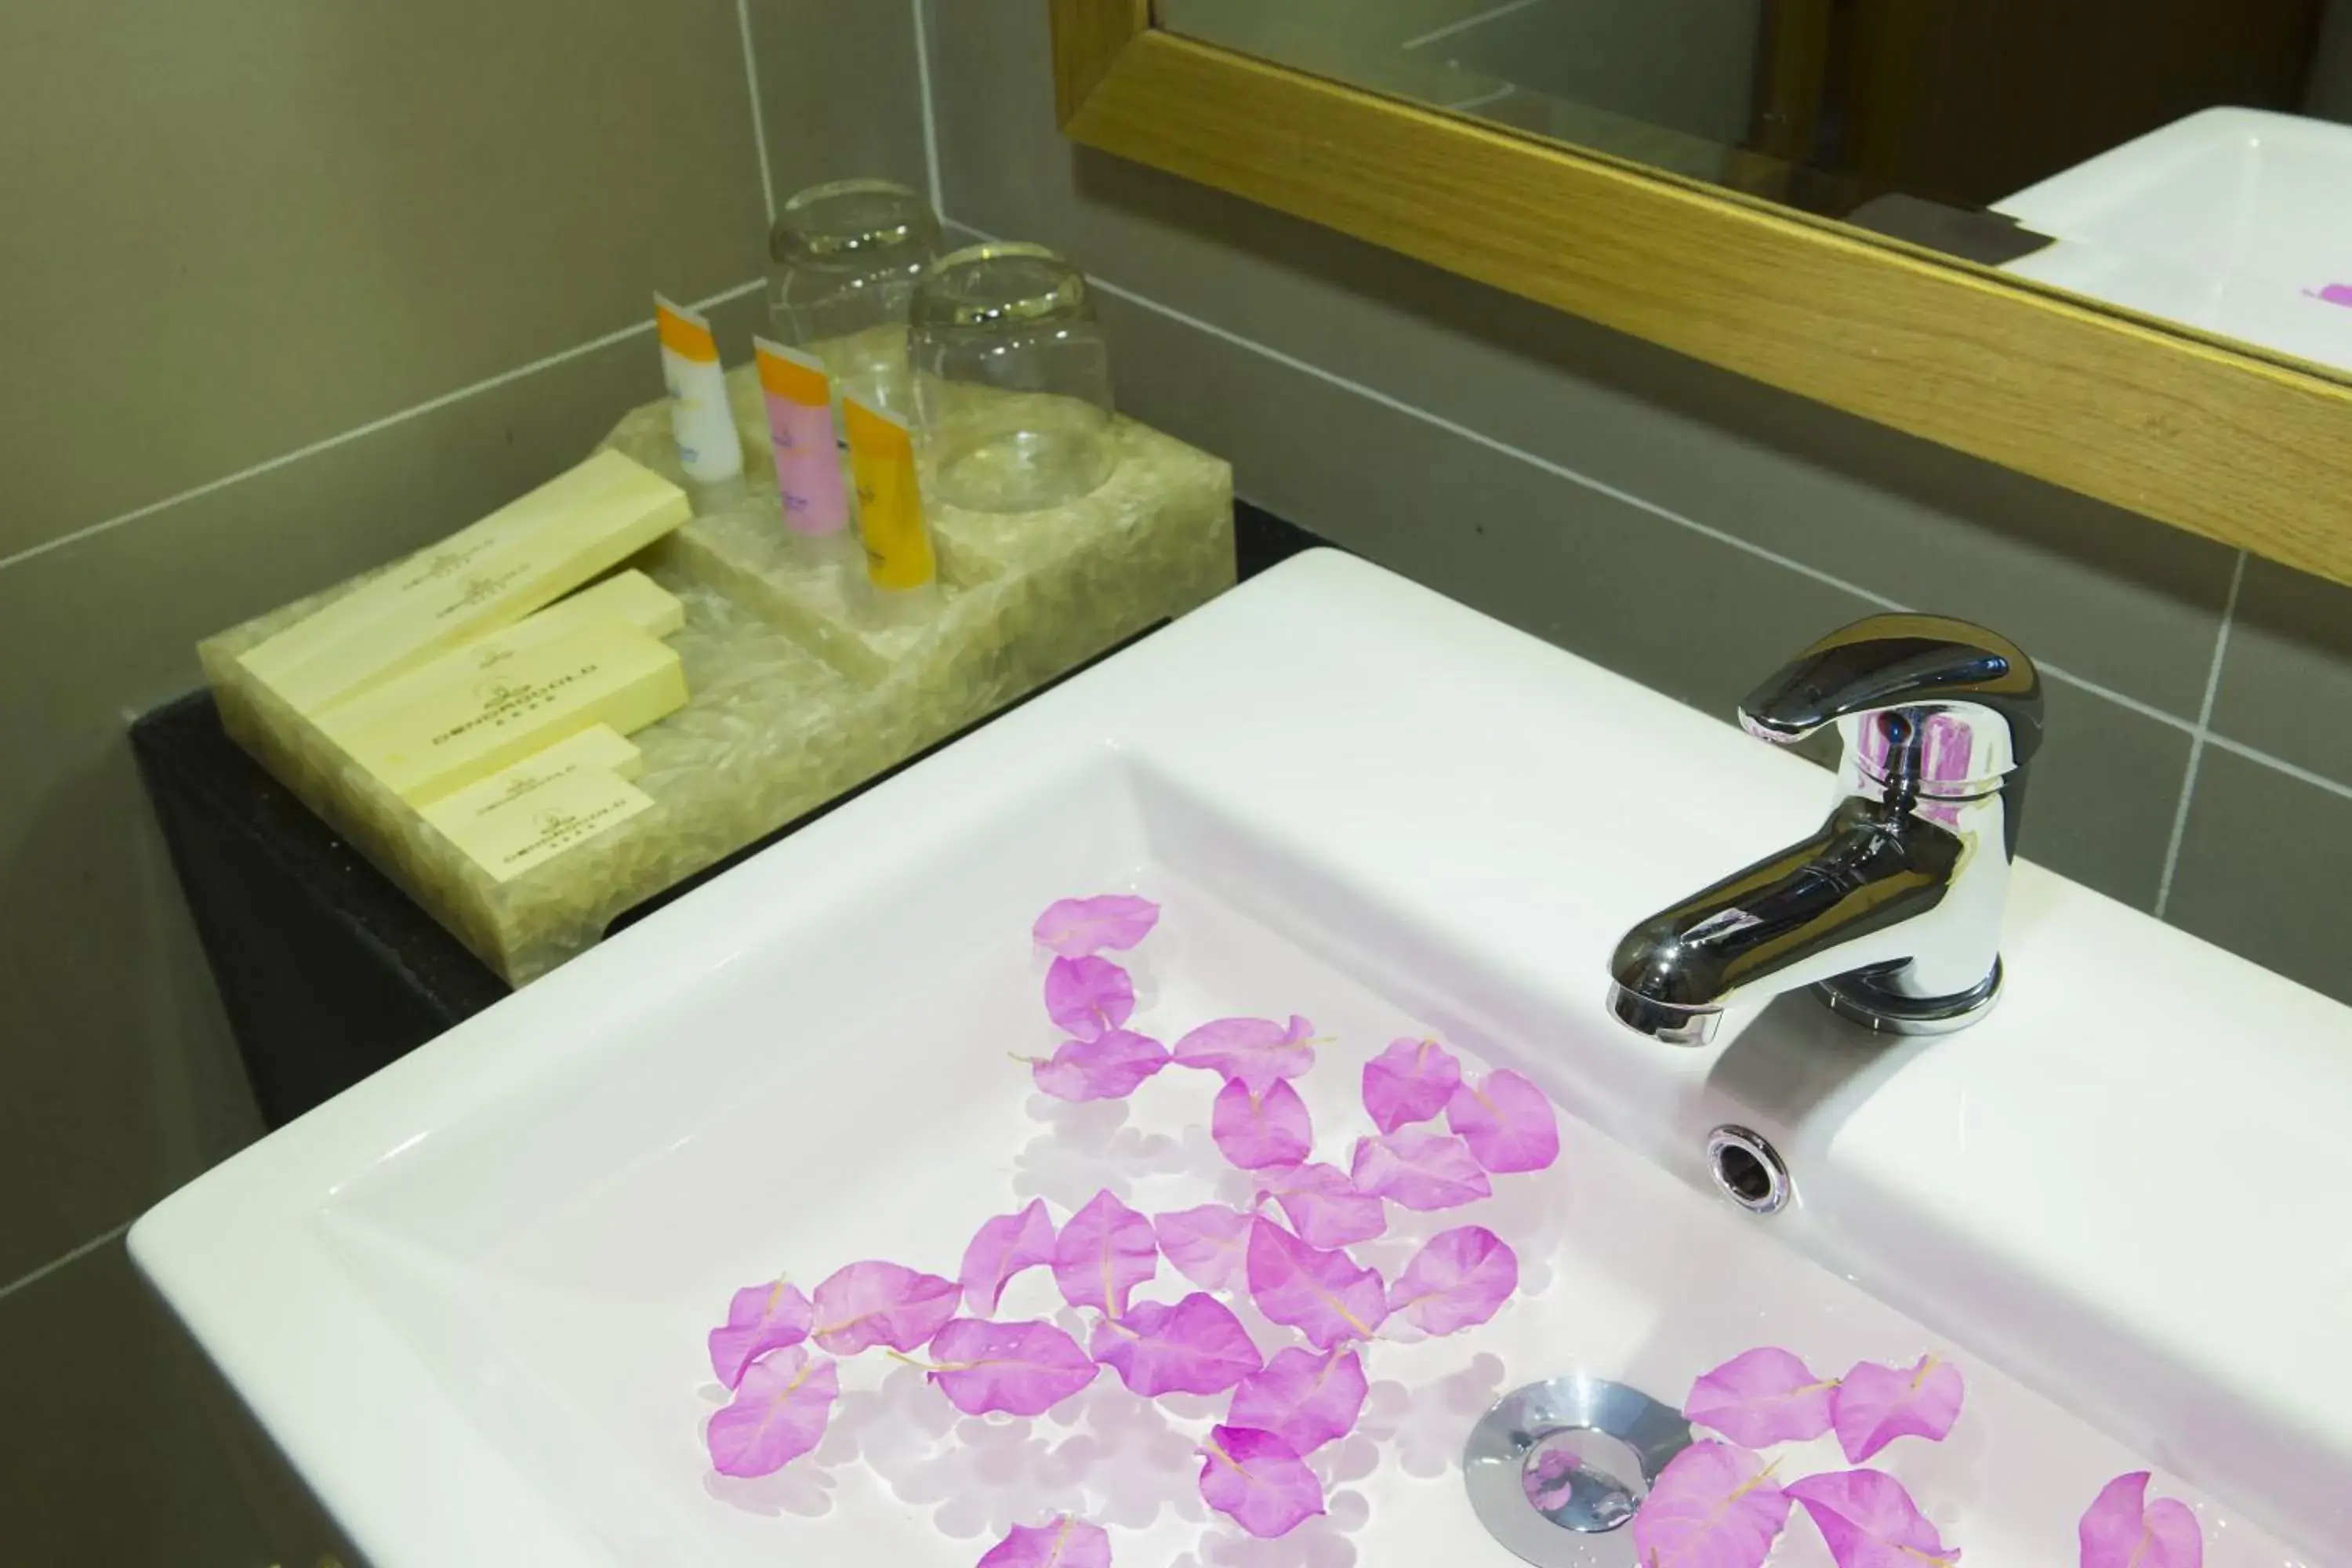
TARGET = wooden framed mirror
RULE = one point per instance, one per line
(2249, 446)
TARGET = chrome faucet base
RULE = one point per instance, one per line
(1859, 999)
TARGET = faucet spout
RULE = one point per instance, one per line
(1849, 898)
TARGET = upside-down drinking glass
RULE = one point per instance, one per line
(844, 259)
(1012, 380)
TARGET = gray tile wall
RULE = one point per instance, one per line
(1692, 529)
(290, 289)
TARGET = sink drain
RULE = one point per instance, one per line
(1556, 1469)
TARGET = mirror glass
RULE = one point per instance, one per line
(2187, 159)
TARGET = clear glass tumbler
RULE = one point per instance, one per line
(1012, 380)
(844, 260)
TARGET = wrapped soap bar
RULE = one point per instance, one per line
(630, 596)
(606, 671)
(526, 554)
(534, 810)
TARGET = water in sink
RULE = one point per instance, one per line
(563, 1293)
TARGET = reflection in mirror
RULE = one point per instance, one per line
(2188, 159)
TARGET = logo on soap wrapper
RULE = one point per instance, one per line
(501, 702)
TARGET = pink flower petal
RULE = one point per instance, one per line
(1418, 1169)
(1077, 927)
(1507, 1122)
(2123, 1530)
(1303, 1399)
(1324, 1206)
(1869, 1521)
(1323, 1295)
(1254, 1051)
(869, 1304)
(1196, 1346)
(1255, 1131)
(1208, 1244)
(1875, 1404)
(1065, 1542)
(759, 1318)
(1258, 1480)
(1411, 1081)
(1457, 1280)
(1111, 1066)
(1103, 1254)
(780, 1411)
(1762, 1397)
(1714, 1506)
(1003, 1247)
(1017, 1369)
(1088, 996)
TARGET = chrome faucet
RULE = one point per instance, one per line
(1892, 911)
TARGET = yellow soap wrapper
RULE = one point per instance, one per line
(607, 671)
(527, 554)
(536, 810)
(630, 596)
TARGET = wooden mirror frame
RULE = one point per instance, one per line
(2185, 428)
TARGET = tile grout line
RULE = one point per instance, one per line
(1501, 448)
(759, 117)
(2146, 709)
(2280, 764)
(1482, 101)
(930, 118)
(328, 443)
(2202, 734)
(63, 1261)
(1464, 25)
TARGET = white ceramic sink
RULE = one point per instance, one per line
(2237, 221)
(468, 1297)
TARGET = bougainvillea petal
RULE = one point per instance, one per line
(1411, 1081)
(1325, 1208)
(1254, 1051)
(1418, 1169)
(869, 1304)
(1507, 1122)
(780, 1411)
(1303, 1399)
(2123, 1530)
(1875, 1404)
(1457, 1280)
(1088, 996)
(1077, 927)
(1019, 1369)
(1208, 1244)
(1258, 1481)
(1065, 1542)
(1103, 1254)
(1323, 1295)
(1762, 1397)
(1254, 1131)
(1869, 1521)
(1003, 1247)
(1714, 1506)
(1111, 1066)
(759, 1318)
(1196, 1346)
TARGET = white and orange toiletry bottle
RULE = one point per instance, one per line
(799, 396)
(899, 561)
(699, 415)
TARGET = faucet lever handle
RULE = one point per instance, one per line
(1910, 668)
